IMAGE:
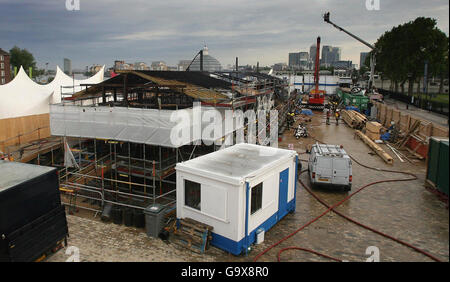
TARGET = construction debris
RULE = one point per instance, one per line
(395, 152)
(400, 144)
(377, 149)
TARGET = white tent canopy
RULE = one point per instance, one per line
(23, 97)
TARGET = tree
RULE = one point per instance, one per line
(21, 57)
(402, 52)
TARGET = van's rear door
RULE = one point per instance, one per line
(324, 170)
(341, 171)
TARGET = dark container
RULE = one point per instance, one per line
(128, 217)
(106, 213)
(117, 215)
(138, 218)
(32, 219)
(437, 163)
(26, 193)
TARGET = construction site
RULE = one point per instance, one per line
(219, 166)
(123, 162)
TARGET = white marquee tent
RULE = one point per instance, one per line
(23, 97)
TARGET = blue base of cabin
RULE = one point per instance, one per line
(236, 248)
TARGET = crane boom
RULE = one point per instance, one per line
(326, 18)
(316, 67)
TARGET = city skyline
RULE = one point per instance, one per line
(264, 31)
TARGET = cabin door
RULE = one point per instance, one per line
(282, 199)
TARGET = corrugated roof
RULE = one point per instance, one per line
(191, 90)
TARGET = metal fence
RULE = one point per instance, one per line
(422, 102)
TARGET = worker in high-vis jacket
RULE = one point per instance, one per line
(328, 113)
(337, 114)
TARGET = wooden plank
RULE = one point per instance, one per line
(377, 149)
(415, 154)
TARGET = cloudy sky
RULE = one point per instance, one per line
(170, 30)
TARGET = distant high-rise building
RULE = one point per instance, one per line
(362, 58)
(67, 66)
(336, 54)
(330, 55)
(298, 60)
(5, 68)
(312, 52)
(327, 53)
(294, 60)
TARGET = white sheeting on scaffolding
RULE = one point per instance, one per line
(23, 97)
(146, 126)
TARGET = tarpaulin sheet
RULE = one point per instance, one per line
(147, 126)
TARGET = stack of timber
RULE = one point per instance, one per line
(373, 130)
(194, 235)
(377, 149)
(354, 119)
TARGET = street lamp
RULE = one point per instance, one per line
(409, 84)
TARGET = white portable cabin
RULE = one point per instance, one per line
(239, 191)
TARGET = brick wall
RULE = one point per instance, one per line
(5, 69)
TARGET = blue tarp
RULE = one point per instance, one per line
(352, 108)
(385, 136)
(307, 112)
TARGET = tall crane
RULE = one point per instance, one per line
(326, 18)
(316, 66)
(316, 97)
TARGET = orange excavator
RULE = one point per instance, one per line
(316, 99)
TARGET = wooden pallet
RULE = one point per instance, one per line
(193, 235)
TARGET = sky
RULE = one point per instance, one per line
(263, 31)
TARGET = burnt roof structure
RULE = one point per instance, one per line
(179, 89)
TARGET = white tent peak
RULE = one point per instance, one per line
(22, 96)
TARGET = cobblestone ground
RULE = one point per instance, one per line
(98, 241)
(401, 209)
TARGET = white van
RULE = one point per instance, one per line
(330, 165)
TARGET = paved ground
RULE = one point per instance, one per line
(401, 209)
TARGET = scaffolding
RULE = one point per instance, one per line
(122, 174)
(121, 169)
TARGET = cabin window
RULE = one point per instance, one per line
(192, 195)
(256, 204)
